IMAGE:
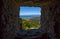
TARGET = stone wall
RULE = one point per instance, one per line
(9, 14)
(50, 20)
(50, 15)
(9, 17)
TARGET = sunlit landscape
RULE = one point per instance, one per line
(30, 17)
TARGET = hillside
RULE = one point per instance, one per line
(35, 20)
(31, 23)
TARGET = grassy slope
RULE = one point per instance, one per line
(32, 23)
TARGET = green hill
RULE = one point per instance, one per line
(31, 23)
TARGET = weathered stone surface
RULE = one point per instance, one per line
(9, 14)
(50, 15)
(50, 18)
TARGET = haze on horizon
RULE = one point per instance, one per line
(24, 11)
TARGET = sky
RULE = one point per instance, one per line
(30, 10)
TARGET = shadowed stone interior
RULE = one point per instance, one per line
(9, 19)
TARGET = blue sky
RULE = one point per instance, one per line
(30, 10)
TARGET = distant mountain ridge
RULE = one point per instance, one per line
(29, 16)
